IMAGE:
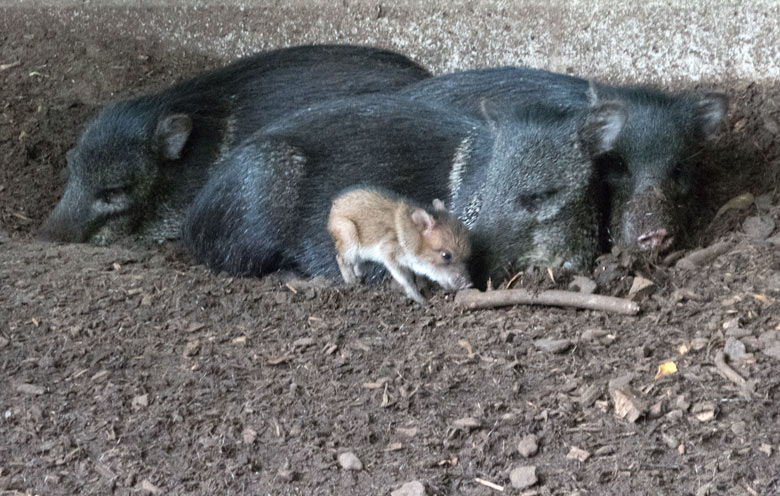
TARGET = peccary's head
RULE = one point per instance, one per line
(441, 249)
(113, 171)
(536, 206)
(649, 172)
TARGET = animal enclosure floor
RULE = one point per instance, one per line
(129, 370)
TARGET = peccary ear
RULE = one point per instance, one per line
(422, 220)
(709, 112)
(439, 205)
(172, 133)
(602, 127)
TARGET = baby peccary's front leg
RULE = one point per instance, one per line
(348, 270)
(406, 280)
(346, 238)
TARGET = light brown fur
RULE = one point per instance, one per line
(370, 225)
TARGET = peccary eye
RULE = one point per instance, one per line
(446, 256)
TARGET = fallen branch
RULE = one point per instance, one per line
(699, 258)
(473, 299)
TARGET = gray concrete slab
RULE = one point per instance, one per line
(667, 42)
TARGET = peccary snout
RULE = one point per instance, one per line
(647, 222)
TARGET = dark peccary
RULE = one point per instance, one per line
(138, 164)
(647, 177)
(267, 209)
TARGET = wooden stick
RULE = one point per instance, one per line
(727, 372)
(703, 256)
(489, 484)
(473, 299)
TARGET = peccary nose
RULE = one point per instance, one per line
(655, 240)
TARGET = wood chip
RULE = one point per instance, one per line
(279, 360)
(99, 376)
(104, 470)
(30, 389)
(192, 348)
(141, 401)
(578, 454)
(407, 431)
(641, 287)
(248, 435)
(627, 405)
(466, 423)
(149, 487)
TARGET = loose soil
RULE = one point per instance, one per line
(131, 370)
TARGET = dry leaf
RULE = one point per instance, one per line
(278, 360)
(467, 346)
(666, 368)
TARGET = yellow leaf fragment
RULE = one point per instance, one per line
(666, 368)
(762, 298)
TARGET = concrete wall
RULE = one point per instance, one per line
(670, 43)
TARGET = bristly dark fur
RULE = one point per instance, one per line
(118, 156)
(654, 151)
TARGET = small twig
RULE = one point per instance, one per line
(727, 372)
(473, 299)
(698, 258)
(4, 67)
(489, 484)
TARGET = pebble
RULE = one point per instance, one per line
(528, 446)
(414, 488)
(523, 477)
(734, 349)
(350, 461)
(552, 345)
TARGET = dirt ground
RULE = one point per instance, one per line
(129, 370)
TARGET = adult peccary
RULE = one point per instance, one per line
(138, 164)
(647, 175)
(521, 183)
